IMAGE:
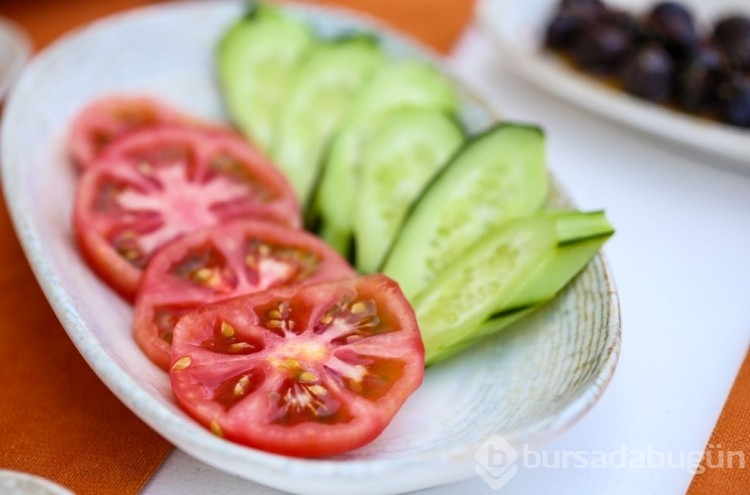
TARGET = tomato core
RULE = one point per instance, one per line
(307, 352)
(184, 205)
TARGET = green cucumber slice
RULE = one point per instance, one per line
(507, 273)
(400, 157)
(396, 86)
(579, 237)
(443, 346)
(319, 97)
(256, 58)
(496, 177)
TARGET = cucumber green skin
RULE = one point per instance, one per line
(255, 59)
(396, 86)
(507, 274)
(496, 177)
(579, 237)
(446, 345)
(319, 97)
(401, 156)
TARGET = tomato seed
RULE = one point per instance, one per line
(216, 429)
(241, 386)
(227, 330)
(306, 376)
(182, 363)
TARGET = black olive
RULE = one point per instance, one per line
(563, 31)
(731, 29)
(588, 10)
(732, 34)
(671, 24)
(602, 49)
(649, 73)
(734, 107)
(625, 21)
(699, 78)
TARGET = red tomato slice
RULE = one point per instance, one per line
(221, 262)
(164, 182)
(305, 370)
(104, 120)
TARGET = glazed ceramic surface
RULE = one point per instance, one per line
(17, 483)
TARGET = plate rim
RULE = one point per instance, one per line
(37, 481)
(22, 47)
(191, 437)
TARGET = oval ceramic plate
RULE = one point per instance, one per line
(15, 48)
(517, 28)
(528, 384)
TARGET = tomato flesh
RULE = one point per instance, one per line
(323, 368)
(103, 121)
(224, 261)
(143, 196)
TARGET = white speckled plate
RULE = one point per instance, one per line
(517, 29)
(17, 483)
(15, 49)
(528, 384)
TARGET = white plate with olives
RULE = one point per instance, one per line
(675, 71)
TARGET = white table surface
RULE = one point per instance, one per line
(681, 259)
